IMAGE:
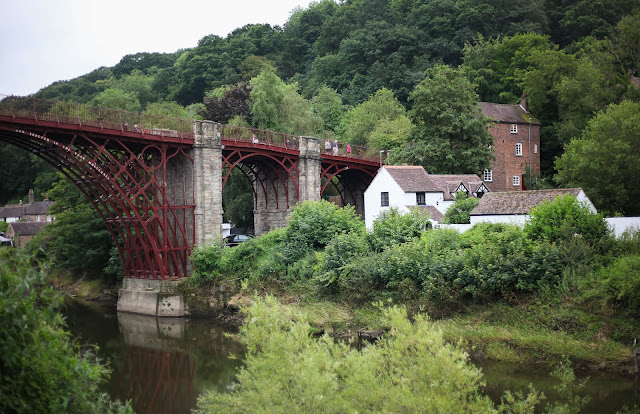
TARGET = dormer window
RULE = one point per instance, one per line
(514, 128)
(420, 199)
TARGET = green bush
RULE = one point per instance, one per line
(206, 262)
(313, 224)
(340, 251)
(620, 283)
(411, 369)
(41, 370)
(459, 212)
(391, 228)
(565, 219)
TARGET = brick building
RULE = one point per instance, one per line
(516, 146)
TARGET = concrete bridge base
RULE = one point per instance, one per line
(151, 297)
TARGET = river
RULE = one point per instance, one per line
(162, 365)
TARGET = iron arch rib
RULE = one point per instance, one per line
(127, 183)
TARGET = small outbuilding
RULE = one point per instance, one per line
(514, 206)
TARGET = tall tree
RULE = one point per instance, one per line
(449, 135)
(359, 122)
(604, 161)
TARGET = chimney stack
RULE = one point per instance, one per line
(523, 103)
(31, 197)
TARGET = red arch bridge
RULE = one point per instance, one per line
(157, 182)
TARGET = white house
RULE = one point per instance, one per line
(513, 207)
(403, 187)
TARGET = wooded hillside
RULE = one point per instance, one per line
(354, 70)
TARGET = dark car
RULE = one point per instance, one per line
(236, 239)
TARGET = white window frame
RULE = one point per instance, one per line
(488, 175)
(514, 128)
(518, 149)
(516, 180)
(535, 148)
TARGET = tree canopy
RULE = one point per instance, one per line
(449, 134)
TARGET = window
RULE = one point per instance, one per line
(519, 149)
(488, 175)
(420, 199)
(535, 148)
(514, 128)
(516, 180)
(384, 199)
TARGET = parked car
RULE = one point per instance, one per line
(236, 239)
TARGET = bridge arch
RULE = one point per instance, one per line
(158, 186)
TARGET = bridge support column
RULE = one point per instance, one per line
(207, 164)
(309, 168)
(276, 199)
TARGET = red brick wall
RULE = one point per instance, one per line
(506, 163)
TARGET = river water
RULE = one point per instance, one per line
(162, 365)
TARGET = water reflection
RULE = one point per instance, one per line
(160, 364)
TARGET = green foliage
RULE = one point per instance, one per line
(78, 239)
(565, 219)
(116, 98)
(460, 211)
(361, 121)
(287, 370)
(391, 228)
(341, 250)
(313, 224)
(167, 109)
(327, 104)
(42, 370)
(449, 135)
(278, 106)
(603, 160)
(4, 226)
(620, 283)
(237, 201)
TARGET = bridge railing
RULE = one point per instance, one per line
(99, 117)
(259, 136)
(267, 137)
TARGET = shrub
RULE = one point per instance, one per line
(392, 228)
(566, 218)
(42, 371)
(341, 250)
(459, 212)
(313, 224)
(621, 283)
(206, 262)
(411, 369)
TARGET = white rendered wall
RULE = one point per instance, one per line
(383, 182)
(516, 219)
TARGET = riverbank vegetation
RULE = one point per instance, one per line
(41, 369)
(560, 287)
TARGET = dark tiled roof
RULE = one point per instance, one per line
(38, 208)
(511, 114)
(410, 178)
(518, 202)
(414, 179)
(436, 215)
(27, 228)
(11, 210)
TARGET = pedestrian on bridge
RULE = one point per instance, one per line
(327, 146)
(335, 147)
